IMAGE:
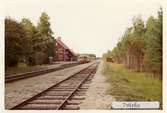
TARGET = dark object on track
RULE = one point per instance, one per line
(66, 94)
(109, 59)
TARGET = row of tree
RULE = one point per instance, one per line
(140, 48)
(27, 43)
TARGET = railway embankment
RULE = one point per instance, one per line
(16, 92)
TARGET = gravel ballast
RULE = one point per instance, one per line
(96, 97)
(17, 92)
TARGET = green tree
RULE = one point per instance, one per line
(44, 25)
(48, 42)
(138, 43)
(30, 34)
(129, 50)
(153, 52)
(140, 48)
(14, 42)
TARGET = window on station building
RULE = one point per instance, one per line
(60, 50)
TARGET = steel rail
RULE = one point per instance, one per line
(73, 92)
(16, 77)
(42, 92)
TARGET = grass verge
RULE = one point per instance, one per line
(22, 68)
(132, 86)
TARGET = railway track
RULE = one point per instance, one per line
(64, 95)
(12, 78)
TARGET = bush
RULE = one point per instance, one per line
(40, 58)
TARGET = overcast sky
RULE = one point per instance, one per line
(87, 26)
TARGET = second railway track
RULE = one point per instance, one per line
(13, 78)
(66, 94)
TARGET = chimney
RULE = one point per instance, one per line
(59, 38)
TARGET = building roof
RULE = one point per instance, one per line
(58, 40)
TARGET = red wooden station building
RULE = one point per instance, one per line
(63, 52)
